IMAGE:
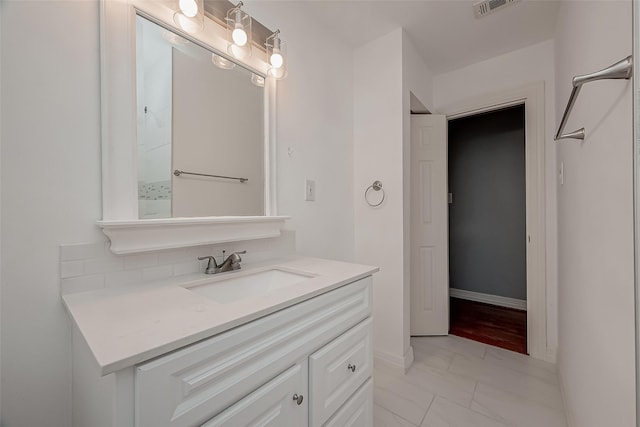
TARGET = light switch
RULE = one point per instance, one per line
(310, 190)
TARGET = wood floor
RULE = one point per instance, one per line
(499, 326)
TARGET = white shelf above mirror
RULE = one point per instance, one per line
(157, 234)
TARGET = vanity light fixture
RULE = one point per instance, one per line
(239, 35)
(189, 15)
(222, 62)
(277, 56)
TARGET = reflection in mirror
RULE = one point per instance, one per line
(200, 114)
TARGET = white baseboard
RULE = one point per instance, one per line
(563, 392)
(551, 355)
(401, 364)
(518, 304)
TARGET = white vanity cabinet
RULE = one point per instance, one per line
(299, 366)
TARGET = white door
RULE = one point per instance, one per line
(429, 226)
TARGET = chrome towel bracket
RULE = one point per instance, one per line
(620, 70)
(376, 186)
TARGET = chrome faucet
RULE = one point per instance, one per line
(232, 262)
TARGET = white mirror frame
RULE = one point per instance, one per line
(120, 222)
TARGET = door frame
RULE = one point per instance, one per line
(532, 96)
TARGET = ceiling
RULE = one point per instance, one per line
(445, 32)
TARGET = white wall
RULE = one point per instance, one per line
(314, 131)
(417, 79)
(50, 194)
(508, 71)
(50, 180)
(378, 140)
(595, 219)
(381, 146)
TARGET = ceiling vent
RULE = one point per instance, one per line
(486, 7)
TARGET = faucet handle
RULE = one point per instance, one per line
(209, 269)
(235, 257)
(238, 253)
(232, 255)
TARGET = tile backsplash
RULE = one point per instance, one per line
(92, 266)
(160, 190)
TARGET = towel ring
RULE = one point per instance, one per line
(376, 186)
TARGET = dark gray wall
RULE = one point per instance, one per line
(487, 230)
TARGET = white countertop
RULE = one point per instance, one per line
(126, 326)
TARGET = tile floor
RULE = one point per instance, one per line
(456, 382)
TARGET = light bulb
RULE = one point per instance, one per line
(277, 73)
(188, 24)
(276, 59)
(188, 7)
(236, 51)
(239, 35)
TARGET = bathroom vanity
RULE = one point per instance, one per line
(282, 344)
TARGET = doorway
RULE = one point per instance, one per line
(487, 227)
(429, 282)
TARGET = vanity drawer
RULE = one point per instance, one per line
(192, 385)
(272, 405)
(358, 411)
(338, 369)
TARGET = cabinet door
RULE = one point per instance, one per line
(273, 404)
(338, 369)
(358, 411)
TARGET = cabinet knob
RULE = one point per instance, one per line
(351, 367)
(298, 398)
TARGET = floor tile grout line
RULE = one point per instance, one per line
(393, 413)
(502, 421)
(456, 351)
(530, 377)
(403, 398)
(428, 408)
(398, 415)
(498, 364)
(438, 371)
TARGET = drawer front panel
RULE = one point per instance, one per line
(338, 369)
(190, 386)
(358, 411)
(272, 405)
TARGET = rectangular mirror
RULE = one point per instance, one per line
(194, 122)
(200, 130)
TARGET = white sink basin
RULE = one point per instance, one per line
(251, 285)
